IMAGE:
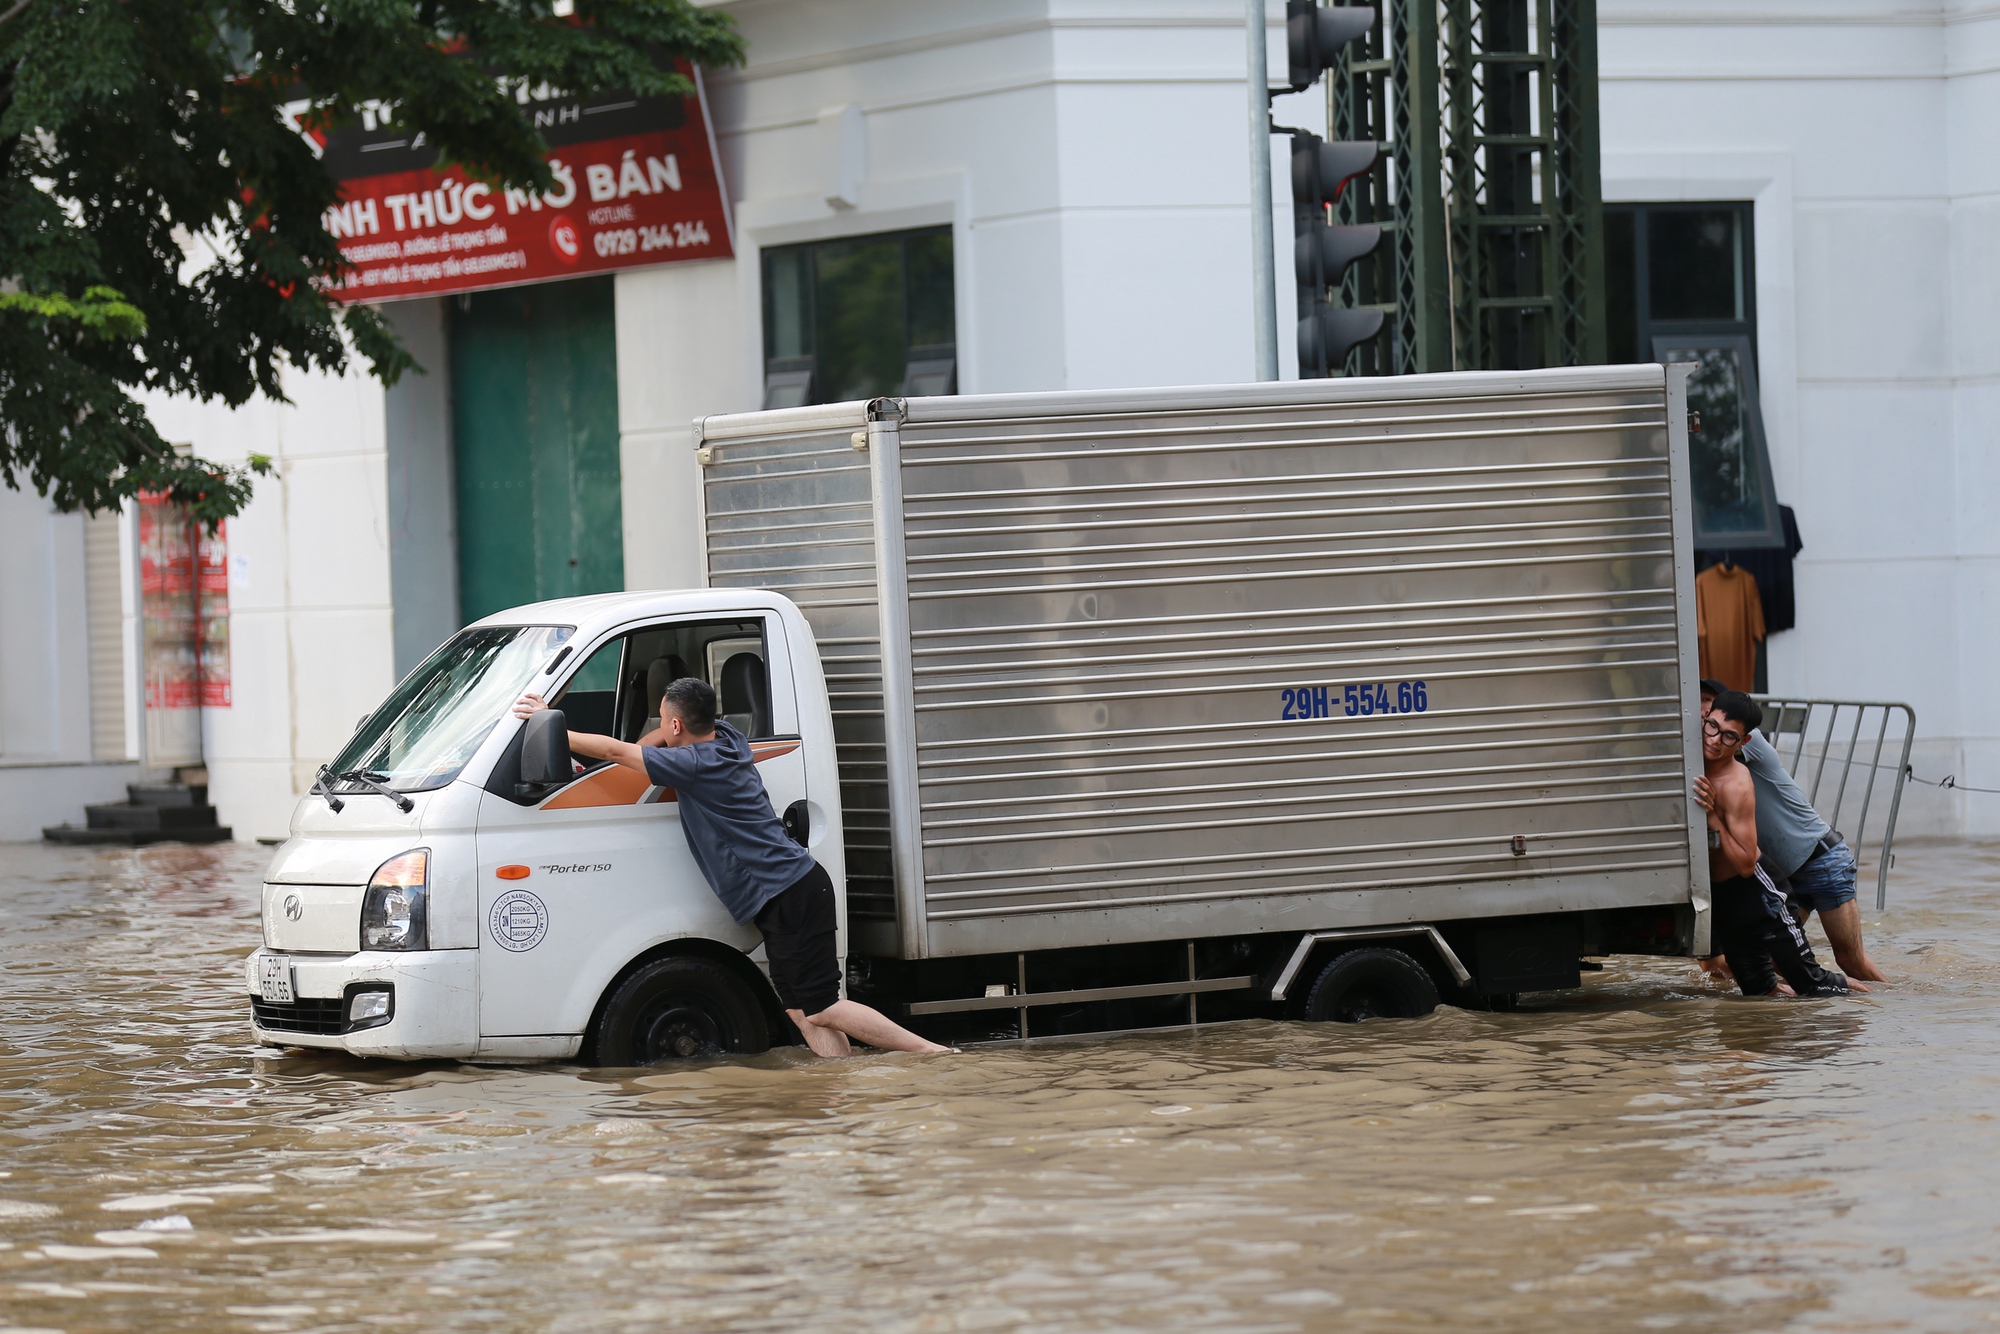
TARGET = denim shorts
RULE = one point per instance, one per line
(1827, 881)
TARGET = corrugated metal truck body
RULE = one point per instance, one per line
(1154, 665)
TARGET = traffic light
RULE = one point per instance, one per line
(1314, 36)
(1321, 251)
(1326, 331)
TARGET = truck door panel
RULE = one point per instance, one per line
(568, 893)
(574, 885)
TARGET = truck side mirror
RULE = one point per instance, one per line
(545, 748)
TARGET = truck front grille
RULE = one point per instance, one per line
(306, 1015)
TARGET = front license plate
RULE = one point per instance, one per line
(274, 979)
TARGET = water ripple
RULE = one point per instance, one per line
(1647, 1153)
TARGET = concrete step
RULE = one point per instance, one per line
(155, 818)
(167, 794)
(153, 813)
(76, 835)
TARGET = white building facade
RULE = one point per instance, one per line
(1865, 135)
(68, 655)
(1087, 163)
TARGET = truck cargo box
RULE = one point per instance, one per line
(1120, 666)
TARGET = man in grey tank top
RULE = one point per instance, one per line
(1799, 845)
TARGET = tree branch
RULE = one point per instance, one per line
(12, 11)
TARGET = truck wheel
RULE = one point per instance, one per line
(1371, 984)
(679, 1007)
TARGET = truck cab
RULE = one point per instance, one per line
(432, 904)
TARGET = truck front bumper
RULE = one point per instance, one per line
(421, 1005)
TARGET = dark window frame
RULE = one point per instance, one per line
(1737, 335)
(1642, 295)
(796, 380)
(745, 626)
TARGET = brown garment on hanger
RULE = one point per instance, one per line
(1729, 622)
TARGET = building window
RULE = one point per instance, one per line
(1681, 287)
(860, 317)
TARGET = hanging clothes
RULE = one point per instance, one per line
(1729, 623)
(1772, 567)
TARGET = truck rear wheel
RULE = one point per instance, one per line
(1371, 984)
(675, 1008)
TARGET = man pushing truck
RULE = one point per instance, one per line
(753, 866)
(1754, 929)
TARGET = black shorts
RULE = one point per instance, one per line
(1756, 932)
(799, 927)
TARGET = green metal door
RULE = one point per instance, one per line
(535, 439)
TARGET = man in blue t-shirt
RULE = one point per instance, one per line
(753, 866)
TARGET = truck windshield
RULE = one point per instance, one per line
(430, 725)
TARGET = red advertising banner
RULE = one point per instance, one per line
(635, 184)
(183, 608)
(211, 604)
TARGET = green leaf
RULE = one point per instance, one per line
(100, 312)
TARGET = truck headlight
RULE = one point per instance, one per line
(395, 913)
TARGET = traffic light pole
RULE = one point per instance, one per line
(1263, 257)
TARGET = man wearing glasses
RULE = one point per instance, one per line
(1754, 929)
(1809, 859)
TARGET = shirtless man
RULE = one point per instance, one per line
(1807, 857)
(1753, 928)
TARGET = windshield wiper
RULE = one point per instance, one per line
(322, 784)
(361, 776)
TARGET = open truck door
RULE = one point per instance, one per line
(579, 878)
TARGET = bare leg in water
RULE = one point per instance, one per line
(1843, 932)
(828, 1031)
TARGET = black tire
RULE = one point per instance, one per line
(1371, 984)
(672, 1009)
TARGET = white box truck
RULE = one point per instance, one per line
(1104, 709)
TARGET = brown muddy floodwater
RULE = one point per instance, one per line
(1648, 1153)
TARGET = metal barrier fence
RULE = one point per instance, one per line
(1834, 749)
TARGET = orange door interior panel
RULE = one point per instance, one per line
(613, 785)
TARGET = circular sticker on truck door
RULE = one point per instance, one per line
(518, 921)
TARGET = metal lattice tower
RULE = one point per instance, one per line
(1488, 188)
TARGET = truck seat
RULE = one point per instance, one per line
(660, 673)
(746, 694)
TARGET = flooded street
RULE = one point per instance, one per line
(1648, 1153)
